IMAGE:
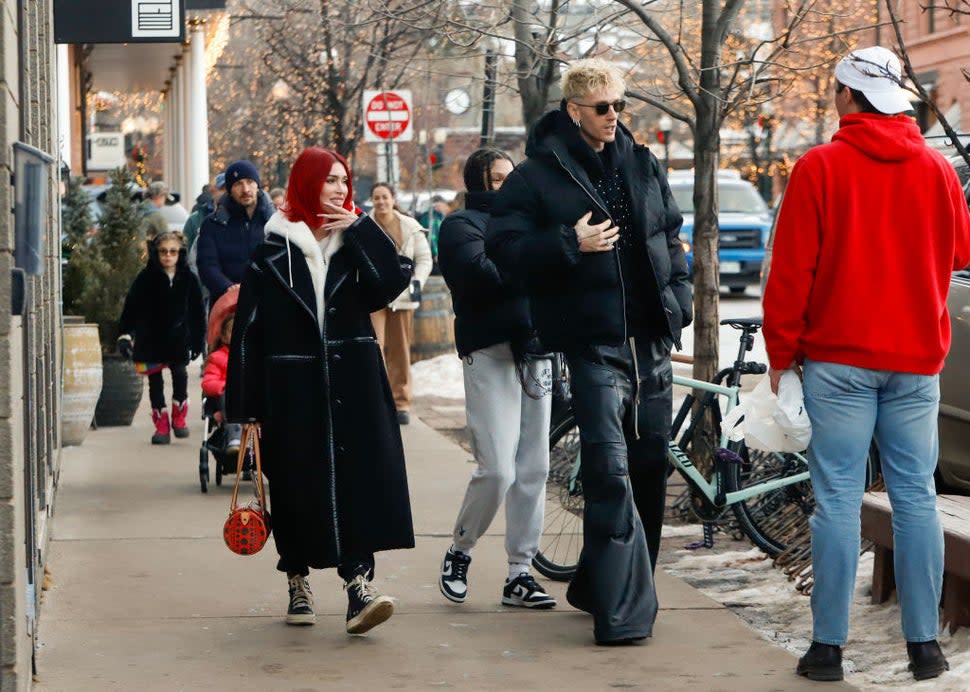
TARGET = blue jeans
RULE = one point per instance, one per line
(848, 406)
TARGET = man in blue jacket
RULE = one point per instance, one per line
(228, 238)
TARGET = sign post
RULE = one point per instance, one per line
(387, 120)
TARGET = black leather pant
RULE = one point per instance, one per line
(622, 403)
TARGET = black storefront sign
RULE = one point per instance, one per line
(121, 21)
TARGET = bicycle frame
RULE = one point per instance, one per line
(714, 492)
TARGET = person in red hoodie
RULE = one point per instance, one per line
(214, 384)
(871, 227)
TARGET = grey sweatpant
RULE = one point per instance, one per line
(510, 440)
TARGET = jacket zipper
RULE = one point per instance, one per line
(333, 454)
(616, 253)
(636, 389)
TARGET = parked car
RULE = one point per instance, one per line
(954, 420)
(744, 221)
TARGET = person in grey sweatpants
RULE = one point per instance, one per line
(507, 395)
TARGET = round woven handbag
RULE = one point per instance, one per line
(248, 526)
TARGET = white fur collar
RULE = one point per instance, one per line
(299, 234)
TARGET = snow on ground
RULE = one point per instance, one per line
(439, 376)
(875, 656)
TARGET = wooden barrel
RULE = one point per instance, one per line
(81, 381)
(434, 322)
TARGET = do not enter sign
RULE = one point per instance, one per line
(387, 116)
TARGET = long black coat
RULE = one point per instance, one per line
(304, 362)
(489, 308)
(165, 319)
(578, 298)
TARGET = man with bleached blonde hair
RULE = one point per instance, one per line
(588, 224)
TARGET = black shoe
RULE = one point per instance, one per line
(300, 611)
(524, 592)
(453, 581)
(366, 607)
(403, 417)
(926, 660)
(822, 662)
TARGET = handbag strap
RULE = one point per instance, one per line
(250, 441)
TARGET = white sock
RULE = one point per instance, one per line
(517, 568)
(456, 550)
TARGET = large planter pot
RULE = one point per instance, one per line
(434, 322)
(121, 392)
(81, 381)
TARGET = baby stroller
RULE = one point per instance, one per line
(214, 434)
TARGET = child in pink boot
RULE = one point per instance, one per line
(163, 326)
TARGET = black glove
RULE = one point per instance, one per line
(125, 347)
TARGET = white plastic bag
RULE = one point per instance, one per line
(771, 423)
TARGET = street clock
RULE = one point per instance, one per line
(457, 101)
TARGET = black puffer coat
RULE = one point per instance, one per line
(489, 309)
(304, 362)
(577, 298)
(166, 320)
(227, 239)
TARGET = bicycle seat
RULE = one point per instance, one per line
(747, 323)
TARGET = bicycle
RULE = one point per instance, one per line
(769, 493)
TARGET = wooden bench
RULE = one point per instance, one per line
(955, 517)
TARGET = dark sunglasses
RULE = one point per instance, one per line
(168, 251)
(603, 107)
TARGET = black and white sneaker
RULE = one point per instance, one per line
(524, 592)
(300, 611)
(454, 575)
(366, 607)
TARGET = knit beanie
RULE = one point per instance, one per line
(240, 170)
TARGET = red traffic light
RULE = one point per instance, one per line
(433, 159)
(661, 136)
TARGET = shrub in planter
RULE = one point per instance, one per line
(103, 267)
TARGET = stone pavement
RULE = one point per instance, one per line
(145, 596)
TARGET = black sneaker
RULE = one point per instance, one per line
(366, 607)
(300, 611)
(524, 592)
(822, 662)
(454, 575)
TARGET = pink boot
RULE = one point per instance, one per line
(180, 412)
(160, 418)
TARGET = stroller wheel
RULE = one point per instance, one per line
(204, 470)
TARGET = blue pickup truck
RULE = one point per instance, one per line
(744, 220)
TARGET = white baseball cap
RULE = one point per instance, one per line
(876, 73)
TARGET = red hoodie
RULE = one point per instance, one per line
(871, 227)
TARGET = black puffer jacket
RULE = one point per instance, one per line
(165, 319)
(489, 309)
(577, 298)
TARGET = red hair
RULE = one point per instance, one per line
(310, 171)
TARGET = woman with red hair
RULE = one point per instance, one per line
(304, 363)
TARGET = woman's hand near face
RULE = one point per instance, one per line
(336, 218)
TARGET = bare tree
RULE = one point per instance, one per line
(953, 7)
(301, 73)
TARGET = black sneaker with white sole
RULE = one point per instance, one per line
(525, 592)
(454, 575)
(300, 611)
(366, 607)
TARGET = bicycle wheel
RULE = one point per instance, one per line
(772, 520)
(562, 531)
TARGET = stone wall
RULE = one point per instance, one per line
(29, 359)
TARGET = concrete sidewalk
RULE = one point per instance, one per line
(145, 596)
